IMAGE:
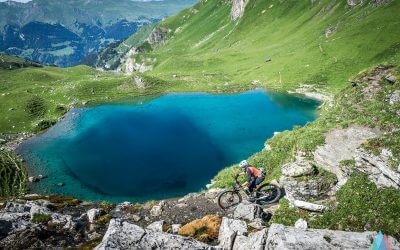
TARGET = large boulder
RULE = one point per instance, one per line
(255, 241)
(230, 228)
(282, 237)
(124, 235)
(248, 211)
(299, 167)
(315, 187)
(156, 226)
(121, 235)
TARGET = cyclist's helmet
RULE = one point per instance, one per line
(243, 164)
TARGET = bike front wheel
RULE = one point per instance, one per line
(228, 199)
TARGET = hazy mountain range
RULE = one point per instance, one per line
(63, 33)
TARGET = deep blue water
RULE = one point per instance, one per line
(163, 148)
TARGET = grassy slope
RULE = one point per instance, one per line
(291, 33)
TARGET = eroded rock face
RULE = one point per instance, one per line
(237, 10)
(340, 145)
(378, 168)
(281, 237)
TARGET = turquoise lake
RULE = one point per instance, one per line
(161, 148)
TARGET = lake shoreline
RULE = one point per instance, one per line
(29, 167)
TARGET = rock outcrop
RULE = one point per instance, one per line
(378, 167)
(158, 36)
(125, 235)
(340, 145)
(237, 10)
(282, 237)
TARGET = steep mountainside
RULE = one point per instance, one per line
(276, 43)
(62, 33)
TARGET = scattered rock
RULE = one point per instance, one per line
(230, 228)
(212, 194)
(257, 224)
(329, 31)
(309, 206)
(156, 211)
(136, 218)
(175, 228)
(93, 214)
(156, 226)
(394, 97)
(248, 211)
(255, 241)
(301, 224)
(391, 78)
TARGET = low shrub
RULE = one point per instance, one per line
(205, 229)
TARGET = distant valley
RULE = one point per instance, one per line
(65, 33)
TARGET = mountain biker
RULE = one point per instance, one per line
(254, 177)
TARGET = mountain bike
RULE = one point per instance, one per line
(265, 194)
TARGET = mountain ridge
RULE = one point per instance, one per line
(91, 26)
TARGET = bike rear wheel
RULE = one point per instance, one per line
(268, 193)
(228, 199)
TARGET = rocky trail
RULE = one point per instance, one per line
(51, 221)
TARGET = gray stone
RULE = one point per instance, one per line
(156, 211)
(281, 237)
(238, 7)
(298, 168)
(301, 224)
(136, 218)
(156, 226)
(255, 241)
(124, 235)
(248, 211)
(121, 235)
(158, 36)
(354, 2)
(378, 167)
(309, 206)
(93, 214)
(213, 193)
(311, 188)
(175, 228)
(394, 97)
(229, 229)
(391, 78)
(257, 224)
